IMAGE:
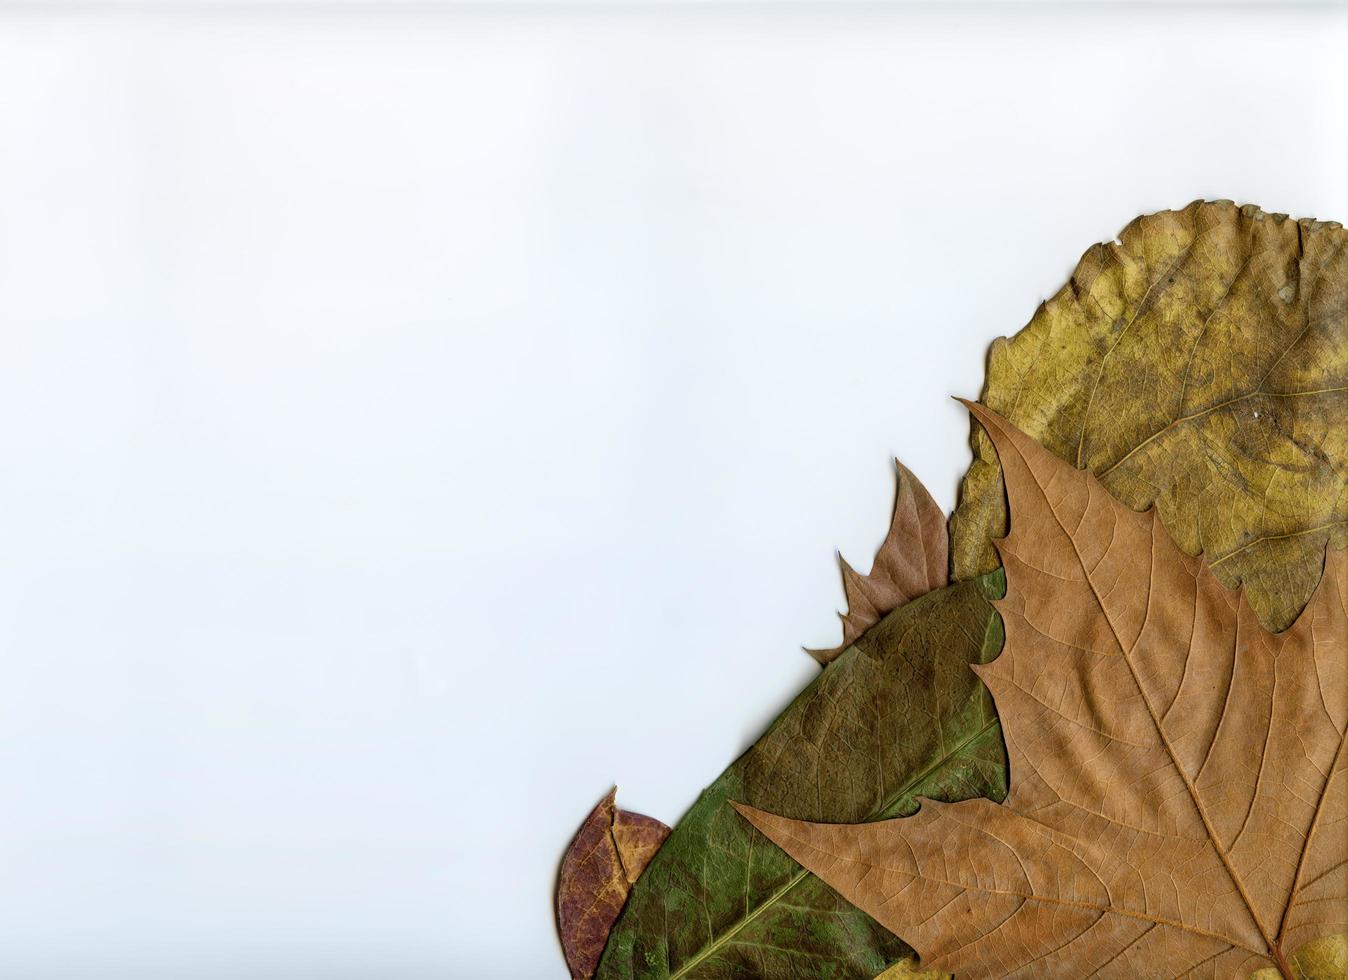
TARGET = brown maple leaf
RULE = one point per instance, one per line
(1179, 800)
(912, 561)
(608, 854)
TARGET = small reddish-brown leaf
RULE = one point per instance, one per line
(912, 562)
(609, 852)
(1179, 783)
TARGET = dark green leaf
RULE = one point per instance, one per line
(897, 716)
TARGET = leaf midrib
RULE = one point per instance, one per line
(882, 813)
(1274, 951)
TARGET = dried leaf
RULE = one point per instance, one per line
(1179, 801)
(897, 715)
(913, 561)
(909, 969)
(1199, 363)
(598, 870)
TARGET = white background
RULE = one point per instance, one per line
(416, 419)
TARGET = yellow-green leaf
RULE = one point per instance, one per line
(1199, 363)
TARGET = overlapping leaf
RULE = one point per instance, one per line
(912, 561)
(1199, 363)
(609, 852)
(1179, 800)
(898, 714)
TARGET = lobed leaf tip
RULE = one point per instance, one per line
(746, 811)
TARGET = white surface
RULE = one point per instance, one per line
(415, 420)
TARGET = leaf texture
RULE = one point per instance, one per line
(1179, 799)
(909, 969)
(898, 714)
(1198, 363)
(913, 560)
(606, 857)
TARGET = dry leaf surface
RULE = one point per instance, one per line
(913, 560)
(1200, 363)
(606, 857)
(1179, 800)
